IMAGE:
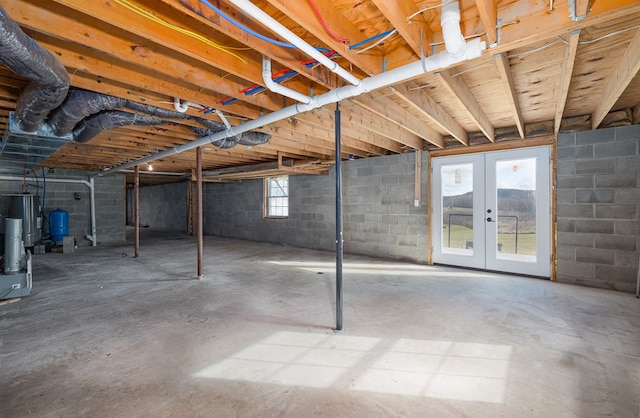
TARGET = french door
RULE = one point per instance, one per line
(492, 211)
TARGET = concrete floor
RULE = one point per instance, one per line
(107, 335)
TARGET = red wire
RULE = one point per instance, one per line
(325, 25)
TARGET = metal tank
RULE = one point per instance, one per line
(27, 207)
(12, 245)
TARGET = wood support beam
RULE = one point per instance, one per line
(489, 17)
(625, 71)
(565, 77)
(504, 69)
(301, 11)
(426, 106)
(387, 109)
(460, 91)
(416, 33)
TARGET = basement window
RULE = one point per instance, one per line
(277, 197)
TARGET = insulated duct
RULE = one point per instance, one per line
(74, 115)
(110, 119)
(49, 81)
(78, 105)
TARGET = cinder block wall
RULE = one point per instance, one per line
(598, 198)
(378, 201)
(75, 199)
(164, 206)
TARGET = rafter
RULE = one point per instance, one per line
(489, 17)
(300, 11)
(288, 57)
(504, 69)
(387, 109)
(426, 106)
(82, 59)
(457, 87)
(625, 71)
(67, 28)
(565, 77)
(416, 33)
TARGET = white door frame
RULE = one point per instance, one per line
(484, 198)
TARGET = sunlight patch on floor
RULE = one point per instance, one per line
(436, 369)
(379, 269)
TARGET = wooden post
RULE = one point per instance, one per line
(136, 210)
(199, 209)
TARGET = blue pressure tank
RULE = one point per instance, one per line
(58, 224)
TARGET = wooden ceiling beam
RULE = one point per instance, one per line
(387, 109)
(625, 71)
(77, 58)
(325, 118)
(504, 69)
(420, 101)
(489, 17)
(301, 11)
(129, 21)
(288, 57)
(370, 122)
(536, 24)
(460, 91)
(46, 21)
(565, 77)
(416, 33)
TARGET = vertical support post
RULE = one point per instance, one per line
(199, 209)
(417, 186)
(136, 210)
(339, 238)
(92, 192)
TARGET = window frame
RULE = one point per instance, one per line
(268, 197)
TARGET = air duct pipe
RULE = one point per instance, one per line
(278, 88)
(473, 49)
(49, 81)
(111, 119)
(78, 105)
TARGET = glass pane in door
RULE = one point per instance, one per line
(457, 208)
(516, 209)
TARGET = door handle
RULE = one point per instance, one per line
(489, 220)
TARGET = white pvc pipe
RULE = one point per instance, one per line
(450, 22)
(397, 75)
(278, 88)
(223, 118)
(179, 106)
(255, 12)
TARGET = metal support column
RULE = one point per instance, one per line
(339, 237)
(199, 209)
(136, 210)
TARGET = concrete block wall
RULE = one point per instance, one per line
(379, 216)
(164, 206)
(598, 207)
(75, 199)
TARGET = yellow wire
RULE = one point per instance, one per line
(142, 12)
